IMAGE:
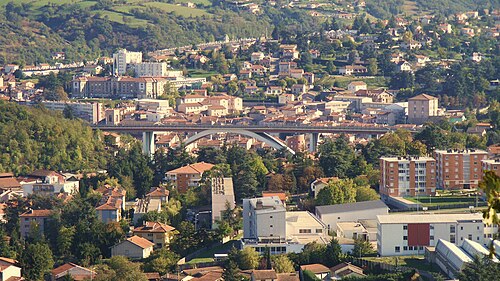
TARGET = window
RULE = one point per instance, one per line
(405, 227)
(431, 226)
(405, 248)
(319, 230)
(431, 237)
(405, 237)
(397, 249)
(461, 228)
(452, 238)
(469, 236)
(270, 217)
(304, 230)
(452, 229)
(271, 225)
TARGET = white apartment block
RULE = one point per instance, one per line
(152, 69)
(122, 58)
(404, 234)
(267, 224)
(92, 112)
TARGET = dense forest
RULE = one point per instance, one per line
(37, 138)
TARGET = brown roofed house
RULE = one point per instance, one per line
(134, 247)
(344, 270)
(156, 232)
(75, 271)
(320, 271)
(188, 176)
(33, 218)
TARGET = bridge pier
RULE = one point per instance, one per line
(313, 142)
(148, 143)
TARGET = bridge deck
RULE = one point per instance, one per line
(253, 128)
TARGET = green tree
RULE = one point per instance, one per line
(36, 260)
(481, 268)
(231, 272)
(362, 248)
(337, 192)
(372, 66)
(365, 193)
(248, 258)
(336, 157)
(282, 264)
(162, 261)
(490, 184)
(119, 268)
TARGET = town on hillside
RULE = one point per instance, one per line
(368, 149)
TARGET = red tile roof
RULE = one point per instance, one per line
(37, 213)
(196, 168)
(141, 242)
(154, 227)
(315, 268)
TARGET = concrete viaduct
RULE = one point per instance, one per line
(259, 132)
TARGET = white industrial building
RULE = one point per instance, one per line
(350, 212)
(267, 224)
(404, 234)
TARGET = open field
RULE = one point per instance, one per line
(445, 200)
(179, 10)
(121, 13)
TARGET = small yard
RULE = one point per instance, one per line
(417, 262)
(208, 255)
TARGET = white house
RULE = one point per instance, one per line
(134, 247)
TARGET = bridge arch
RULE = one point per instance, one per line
(261, 136)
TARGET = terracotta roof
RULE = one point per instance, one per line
(152, 275)
(37, 213)
(158, 192)
(43, 173)
(9, 183)
(288, 277)
(357, 83)
(196, 168)
(346, 269)
(155, 227)
(8, 260)
(264, 274)
(315, 268)
(423, 97)
(281, 195)
(6, 175)
(203, 270)
(211, 276)
(111, 204)
(141, 242)
(63, 268)
(326, 180)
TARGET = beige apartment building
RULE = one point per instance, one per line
(459, 169)
(407, 176)
(421, 107)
